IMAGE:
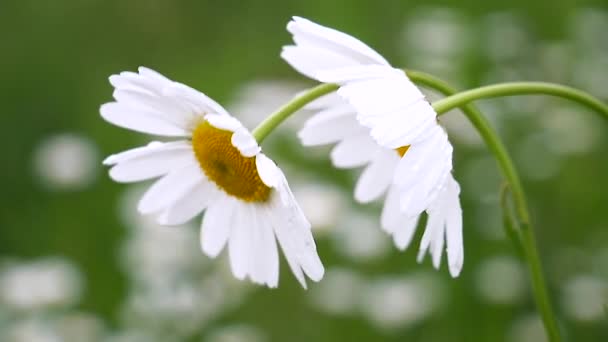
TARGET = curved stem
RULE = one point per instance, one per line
(506, 165)
(274, 119)
(520, 88)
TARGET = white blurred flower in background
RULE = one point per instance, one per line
(358, 237)
(66, 161)
(324, 204)
(585, 298)
(236, 333)
(501, 279)
(399, 302)
(528, 328)
(40, 284)
(339, 292)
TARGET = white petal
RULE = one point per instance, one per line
(217, 225)
(245, 142)
(153, 160)
(305, 32)
(422, 171)
(265, 268)
(170, 188)
(391, 213)
(152, 74)
(330, 126)
(191, 204)
(169, 109)
(354, 151)
(267, 170)
(404, 126)
(240, 245)
(196, 99)
(292, 230)
(344, 74)
(139, 120)
(309, 60)
(432, 238)
(376, 177)
(404, 233)
(224, 122)
(394, 222)
(377, 96)
(454, 228)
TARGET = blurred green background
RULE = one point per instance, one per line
(77, 263)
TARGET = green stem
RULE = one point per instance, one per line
(274, 119)
(520, 88)
(506, 165)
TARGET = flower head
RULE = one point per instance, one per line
(335, 122)
(384, 99)
(218, 167)
(382, 121)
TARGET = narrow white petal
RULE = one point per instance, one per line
(309, 60)
(292, 230)
(170, 188)
(265, 268)
(330, 112)
(150, 161)
(169, 109)
(267, 170)
(152, 74)
(344, 74)
(329, 130)
(195, 99)
(394, 222)
(305, 32)
(404, 232)
(217, 225)
(376, 96)
(422, 171)
(454, 228)
(403, 126)
(141, 121)
(245, 142)
(240, 242)
(391, 213)
(191, 204)
(377, 176)
(354, 151)
(224, 122)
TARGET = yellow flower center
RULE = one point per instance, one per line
(401, 150)
(226, 166)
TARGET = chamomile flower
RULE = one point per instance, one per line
(336, 122)
(216, 166)
(385, 101)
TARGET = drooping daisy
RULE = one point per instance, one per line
(336, 122)
(385, 100)
(387, 123)
(216, 166)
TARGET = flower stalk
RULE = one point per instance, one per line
(276, 118)
(526, 238)
(526, 241)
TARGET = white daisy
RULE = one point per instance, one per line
(217, 166)
(385, 101)
(335, 122)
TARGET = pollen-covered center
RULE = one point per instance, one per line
(226, 166)
(402, 150)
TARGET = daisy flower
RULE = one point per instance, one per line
(216, 166)
(384, 99)
(385, 123)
